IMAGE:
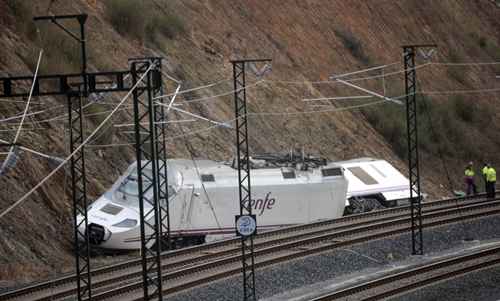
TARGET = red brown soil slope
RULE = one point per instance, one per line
(307, 40)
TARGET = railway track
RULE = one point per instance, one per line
(418, 277)
(271, 247)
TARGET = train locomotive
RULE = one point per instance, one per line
(203, 200)
(286, 190)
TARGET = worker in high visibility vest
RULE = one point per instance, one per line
(469, 179)
(484, 171)
(491, 178)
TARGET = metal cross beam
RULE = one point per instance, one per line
(81, 18)
(152, 186)
(413, 156)
(59, 84)
(243, 164)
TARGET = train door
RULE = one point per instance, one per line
(186, 198)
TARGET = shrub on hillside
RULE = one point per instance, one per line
(61, 52)
(454, 72)
(127, 17)
(143, 20)
(20, 9)
(466, 110)
(353, 45)
(389, 121)
(23, 11)
(483, 43)
(442, 126)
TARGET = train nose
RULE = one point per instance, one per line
(98, 234)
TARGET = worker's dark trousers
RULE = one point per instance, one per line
(490, 190)
(471, 188)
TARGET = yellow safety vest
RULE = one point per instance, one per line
(491, 175)
(485, 171)
(469, 172)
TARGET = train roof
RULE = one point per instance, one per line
(358, 160)
(370, 176)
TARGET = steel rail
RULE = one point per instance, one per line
(418, 271)
(211, 248)
(292, 250)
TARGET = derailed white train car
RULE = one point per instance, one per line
(373, 184)
(203, 200)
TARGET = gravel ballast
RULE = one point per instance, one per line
(308, 277)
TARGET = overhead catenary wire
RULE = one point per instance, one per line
(193, 89)
(305, 82)
(369, 92)
(24, 129)
(341, 75)
(100, 134)
(194, 115)
(230, 121)
(362, 71)
(442, 159)
(34, 151)
(172, 99)
(21, 116)
(189, 148)
(388, 74)
(18, 133)
(459, 91)
(318, 111)
(63, 116)
(434, 92)
(170, 77)
(465, 64)
(21, 101)
(338, 98)
(231, 92)
(383, 75)
(159, 122)
(54, 171)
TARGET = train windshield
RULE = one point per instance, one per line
(127, 192)
(130, 185)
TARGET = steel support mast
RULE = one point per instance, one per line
(413, 155)
(78, 176)
(149, 182)
(160, 132)
(243, 165)
(79, 194)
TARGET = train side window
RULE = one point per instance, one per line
(207, 178)
(331, 172)
(361, 174)
(288, 173)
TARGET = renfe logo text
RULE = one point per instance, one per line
(259, 205)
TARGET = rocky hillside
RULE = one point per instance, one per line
(308, 41)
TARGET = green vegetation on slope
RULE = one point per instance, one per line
(442, 126)
(128, 17)
(353, 44)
